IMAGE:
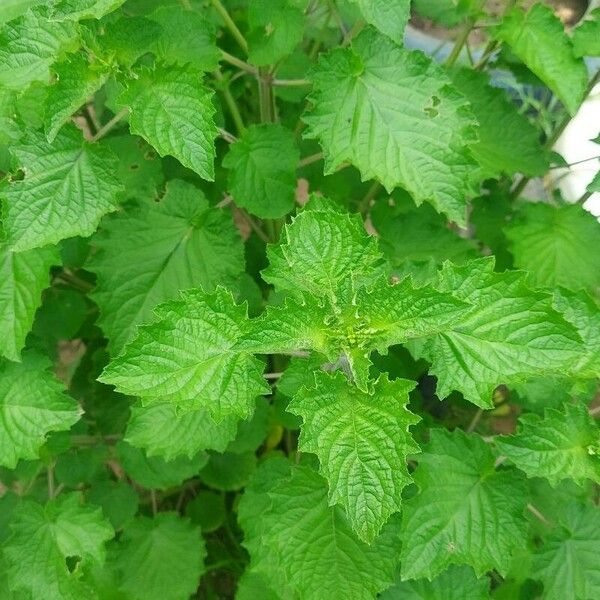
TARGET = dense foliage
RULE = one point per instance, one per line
(278, 315)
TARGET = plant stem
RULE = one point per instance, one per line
(356, 29)
(291, 82)
(231, 103)
(154, 502)
(228, 137)
(233, 29)
(309, 160)
(265, 96)
(537, 514)
(475, 420)
(240, 64)
(106, 128)
(584, 198)
(365, 203)
(50, 476)
(461, 40)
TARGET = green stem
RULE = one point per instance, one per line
(265, 96)
(461, 40)
(106, 128)
(235, 32)
(308, 160)
(365, 203)
(291, 82)
(584, 198)
(231, 103)
(240, 64)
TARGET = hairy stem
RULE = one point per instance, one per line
(233, 29)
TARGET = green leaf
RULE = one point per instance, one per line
(186, 37)
(262, 170)
(76, 10)
(29, 45)
(160, 558)
(448, 13)
(162, 431)
(297, 536)
(276, 28)
(129, 38)
(118, 500)
(394, 115)
(567, 562)
(553, 244)
(586, 36)
(388, 16)
(191, 356)
(173, 111)
(455, 583)
(594, 185)
(362, 441)
(508, 143)
(12, 9)
(538, 38)
(509, 334)
(152, 249)
(466, 512)
(563, 444)
(45, 537)
(23, 277)
(68, 186)
(228, 471)
(32, 404)
(76, 81)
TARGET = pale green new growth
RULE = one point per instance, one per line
(362, 442)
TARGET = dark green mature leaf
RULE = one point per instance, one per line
(43, 537)
(538, 38)
(23, 277)
(566, 563)
(68, 186)
(362, 442)
(173, 110)
(129, 38)
(191, 356)
(554, 244)
(467, 511)
(394, 115)
(160, 558)
(149, 252)
(262, 170)
(563, 444)
(289, 527)
(32, 404)
(389, 16)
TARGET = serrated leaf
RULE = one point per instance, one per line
(394, 115)
(68, 186)
(23, 277)
(563, 444)
(153, 249)
(448, 13)
(566, 563)
(508, 143)
(160, 558)
(586, 36)
(44, 537)
(129, 38)
(191, 356)
(32, 404)
(173, 111)
(509, 334)
(161, 431)
(76, 10)
(553, 244)
(12, 9)
(538, 38)
(594, 185)
(362, 441)
(297, 536)
(29, 45)
(466, 512)
(276, 28)
(455, 583)
(228, 471)
(262, 170)
(76, 81)
(187, 37)
(388, 16)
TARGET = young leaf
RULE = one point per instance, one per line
(160, 558)
(394, 115)
(76, 81)
(508, 142)
(76, 10)
(29, 45)
(553, 244)
(68, 186)
(566, 563)
(586, 36)
(276, 28)
(538, 38)
(149, 252)
(191, 356)
(362, 442)
(173, 111)
(388, 16)
(262, 170)
(562, 445)
(466, 512)
(310, 542)
(23, 277)
(32, 404)
(509, 334)
(44, 537)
